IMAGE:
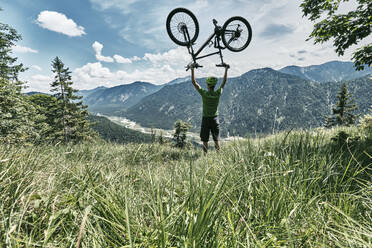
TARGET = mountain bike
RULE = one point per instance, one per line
(183, 29)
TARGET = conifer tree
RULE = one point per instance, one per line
(342, 114)
(46, 107)
(8, 69)
(70, 122)
(17, 114)
(179, 136)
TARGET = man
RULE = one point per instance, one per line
(211, 99)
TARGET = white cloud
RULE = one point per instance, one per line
(23, 49)
(135, 58)
(124, 6)
(175, 56)
(98, 49)
(122, 60)
(39, 82)
(119, 59)
(58, 22)
(94, 74)
(36, 67)
(42, 78)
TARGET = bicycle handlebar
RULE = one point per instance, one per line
(192, 65)
(223, 65)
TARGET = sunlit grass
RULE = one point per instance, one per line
(293, 189)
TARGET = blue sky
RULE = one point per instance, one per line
(113, 42)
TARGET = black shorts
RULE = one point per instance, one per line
(210, 124)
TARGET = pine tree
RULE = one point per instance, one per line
(179, 136)
(17, 114)
(70, 120)
(342, 114)
(46, 106)
(8, 69)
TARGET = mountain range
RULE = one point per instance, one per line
(259, 101)
(333, 71)
(117, 99)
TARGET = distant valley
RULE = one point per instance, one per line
(117, 99)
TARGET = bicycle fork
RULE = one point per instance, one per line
(189, 47)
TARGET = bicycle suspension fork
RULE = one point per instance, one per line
(189, 46)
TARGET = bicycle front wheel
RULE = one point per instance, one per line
(182, 27)
(236, 34)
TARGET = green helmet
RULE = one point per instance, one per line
(211, 81)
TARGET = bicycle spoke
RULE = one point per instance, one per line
(182, 18)
(236, 42)
(182, 26)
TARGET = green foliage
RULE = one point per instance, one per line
(8, 38)
(345, 30)
(70, 123)
(342, 139)
(292, 189)
(19, 120)
(366, 124)
(180, 131)
(113, 132)
(343, 112)
(161, 139)
(46, 106)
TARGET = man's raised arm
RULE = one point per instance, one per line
(196, 85)
(224, 76)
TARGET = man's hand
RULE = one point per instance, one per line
(192, 66)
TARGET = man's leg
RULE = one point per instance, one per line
(205, 147)
(216, 133)
(217, 145)
(204, 134)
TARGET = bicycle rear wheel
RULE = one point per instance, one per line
(182, 20)
(236, 34)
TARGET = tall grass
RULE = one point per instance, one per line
(296, 189)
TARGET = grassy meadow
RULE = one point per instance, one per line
(292, 189)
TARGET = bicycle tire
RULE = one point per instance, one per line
(173, 26)
(226, 32)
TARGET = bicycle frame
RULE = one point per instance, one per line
(217, 37)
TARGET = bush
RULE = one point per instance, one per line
(366, 124)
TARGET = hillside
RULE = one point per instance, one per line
(295, 189)
(110, 131)
(86, 93)
(113, 101)
(333, 71)
(259, 101)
